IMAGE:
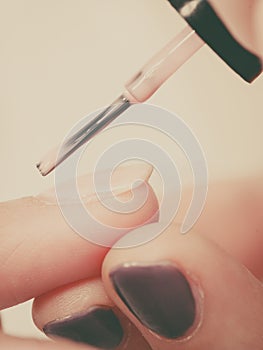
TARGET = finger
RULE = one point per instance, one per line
(185, 292)
(231, 207)
(82, 312)
(232, 217)
(244, 19)
(39, 251)
(32, 344)
(259, 27)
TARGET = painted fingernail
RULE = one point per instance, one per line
(97, 327)
(158, 295)
(121, 180)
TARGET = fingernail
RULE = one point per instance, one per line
(158, 295)
(121, 181)
(97, 327)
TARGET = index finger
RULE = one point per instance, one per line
(39, 251)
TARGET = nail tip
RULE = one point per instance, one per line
(99, 327)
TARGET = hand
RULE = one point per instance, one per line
(40, 253)
(41, 257)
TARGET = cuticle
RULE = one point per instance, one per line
(126, 330)
(198, 294)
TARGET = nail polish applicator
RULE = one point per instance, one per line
(204, 27)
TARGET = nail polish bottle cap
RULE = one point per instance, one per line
(203, 19)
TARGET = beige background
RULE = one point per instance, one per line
(61, 59)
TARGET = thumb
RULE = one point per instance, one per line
(185, 292)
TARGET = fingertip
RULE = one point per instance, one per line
(181, 289)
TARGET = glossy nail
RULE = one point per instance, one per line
(158, 295)
(97, 327)
(121, 181)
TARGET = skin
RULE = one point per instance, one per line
(244, 20)
(202, 253)
(228, 233)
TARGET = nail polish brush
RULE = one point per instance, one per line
(204, 27)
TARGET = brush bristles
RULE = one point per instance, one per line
(45, 169)
(104, 118)
(48, 163)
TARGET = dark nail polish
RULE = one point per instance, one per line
(158, 295)
(98, 327)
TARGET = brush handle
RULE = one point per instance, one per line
(168, 60)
